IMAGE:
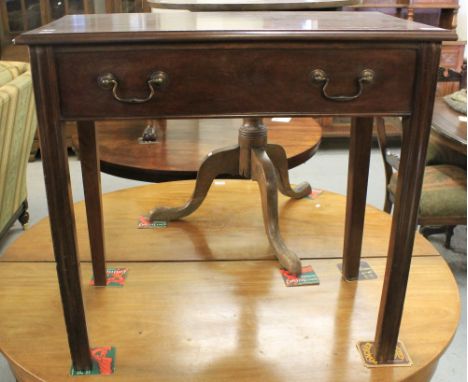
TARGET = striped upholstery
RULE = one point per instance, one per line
(17, 127)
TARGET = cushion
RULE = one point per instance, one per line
(9, 70)
(438, 153)
(443, 192)
(457, 101)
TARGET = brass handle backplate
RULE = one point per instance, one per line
(318, 76)
(157, 80)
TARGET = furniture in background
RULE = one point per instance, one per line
(442, 13)
(19, 16)
(249, 5)
(437, 13)
(17, 127)
(443, 199)
(182, 145)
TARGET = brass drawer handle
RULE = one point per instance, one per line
(318, 76)
(157, 80)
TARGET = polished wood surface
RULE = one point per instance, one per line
(216, 320)
(312, 228)
(225, 321)
(57, 181)
(223, 26)
(447, 126)
(247, 85)
(183, 144)
(249, 5)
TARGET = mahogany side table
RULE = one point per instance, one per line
(308, 64)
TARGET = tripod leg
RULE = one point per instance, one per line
(222, 161)
(265, 174)
(278, 156)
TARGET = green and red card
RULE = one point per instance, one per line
(115, 277)
(144, 222)
(308, 277)
(103, 359)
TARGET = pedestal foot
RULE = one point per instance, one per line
(222, 161)
(277, 154)
(264, 173)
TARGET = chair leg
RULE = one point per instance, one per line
(448, 235)
(24, 217)
(388, 203)
(218, 162)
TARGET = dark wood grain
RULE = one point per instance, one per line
(90, 172)
(257, 5)
(59, 198)
(227, 26)
(358, 171)
(246, 79)
(410, 176)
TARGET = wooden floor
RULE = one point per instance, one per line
(187, 315)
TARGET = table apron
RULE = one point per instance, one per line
(237, 81)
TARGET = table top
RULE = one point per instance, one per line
(183, 145)
(224, 229)
(446, 122)
(249, 5)
(190, 313)
(232, 26)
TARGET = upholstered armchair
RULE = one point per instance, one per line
(17, 127)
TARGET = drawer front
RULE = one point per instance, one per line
(232, 82)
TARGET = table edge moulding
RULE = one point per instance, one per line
(226, 77)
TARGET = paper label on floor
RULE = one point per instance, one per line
(365, 271)
(103, 360)
(367, 351)
(115, 277)
(308, 277)
(144, 222)
(314, 194)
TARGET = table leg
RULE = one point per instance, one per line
(90, 170)
(410, 176)
(358, 171)
(218, 162)
(59, 198)
(264, 172)
(277, 155)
